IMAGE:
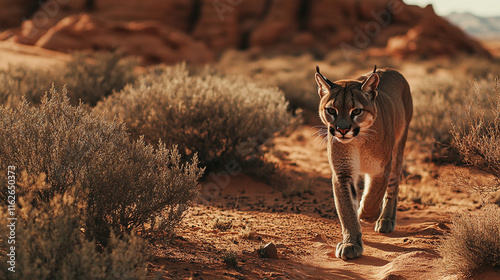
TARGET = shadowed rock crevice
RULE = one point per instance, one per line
(248, 29)
(303, 15)
(194, 15)
(358, 9)
(267, 7)
(245, 40)
(89, 5)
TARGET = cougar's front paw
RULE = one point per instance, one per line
(384, 225)
(348, 250)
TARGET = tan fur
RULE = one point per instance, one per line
(369, 142)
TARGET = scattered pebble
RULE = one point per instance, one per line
(269, 251)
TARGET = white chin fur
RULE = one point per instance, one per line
(344, 140)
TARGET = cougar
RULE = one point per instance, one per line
(367, 121)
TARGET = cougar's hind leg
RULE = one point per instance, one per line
(375, 189)
(387, 221)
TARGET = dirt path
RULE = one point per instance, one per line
(300, 220)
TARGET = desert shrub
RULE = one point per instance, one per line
(50, 243)
(223, 118)
(19, 81)
(89, 78)
(435, 99)
(480, 68)
(300, 92)
(92, 76)
(128, 184)
(474, 242)
(477, 136)
(439, 101)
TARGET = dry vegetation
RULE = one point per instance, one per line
(89, 77)
(473, 245)
(58, 248)
(106, 185)
(221, 118)
(474, 242)
(126, 184)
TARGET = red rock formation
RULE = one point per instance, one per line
(195, 30)
(13, 12)
(151, 40)
(431, 37)
(217, 28)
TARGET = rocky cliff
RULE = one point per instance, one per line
(198, 30)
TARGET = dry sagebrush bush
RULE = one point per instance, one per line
(19, 81)
(474, 242)
(477, 136)
(222, 118)
(435, 100)
(300, 92)
(441, 100)
(127, 184)
(88, 76)
(50, 243)
(92, 76)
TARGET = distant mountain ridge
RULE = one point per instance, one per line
(480, 27)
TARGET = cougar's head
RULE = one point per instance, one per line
(347, 107)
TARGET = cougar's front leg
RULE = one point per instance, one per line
(345, 192)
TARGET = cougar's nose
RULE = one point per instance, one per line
(343, 131)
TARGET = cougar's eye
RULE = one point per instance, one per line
(356, 112)
(332, 112)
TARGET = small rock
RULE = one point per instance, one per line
(270, 251)
(319, 238)
(417, 200)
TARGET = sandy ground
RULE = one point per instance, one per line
(300, 220)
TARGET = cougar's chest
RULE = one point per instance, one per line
(370, 163)
(356, 157)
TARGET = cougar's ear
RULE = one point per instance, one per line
(324, 85)
(370, 86)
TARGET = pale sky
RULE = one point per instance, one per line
(483, 8)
